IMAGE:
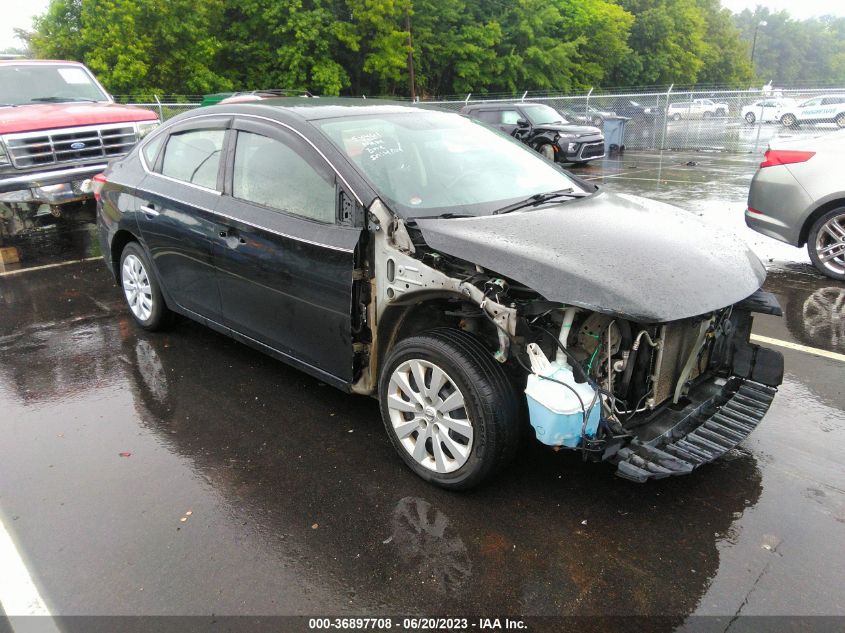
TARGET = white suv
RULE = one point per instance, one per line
(822, 109)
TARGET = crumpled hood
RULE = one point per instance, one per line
(574, 130)
(613, 253)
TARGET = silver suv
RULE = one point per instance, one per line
(797, 196)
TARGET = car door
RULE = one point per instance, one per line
(508, 120)
(176, 218)
(810, 110)
(285, 265)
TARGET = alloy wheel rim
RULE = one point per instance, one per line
(136, 287)
(830, 244)
(428, 413)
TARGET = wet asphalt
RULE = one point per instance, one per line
(184, 473)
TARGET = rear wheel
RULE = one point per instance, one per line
(750, 118)
(448, 407)
(547, 151)
(141, 289)
(676, 116)
(826, 243)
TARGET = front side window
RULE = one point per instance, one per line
(509, 117)
(811, 102)
(194, 157)
(274, 174)
(47, 83)
(425, 163)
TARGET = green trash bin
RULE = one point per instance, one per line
(613, 128)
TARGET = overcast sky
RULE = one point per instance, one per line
(18, 13)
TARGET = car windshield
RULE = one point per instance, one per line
(540, 114)
(427, 163)
(46, 83)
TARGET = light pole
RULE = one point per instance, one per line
(754, 41)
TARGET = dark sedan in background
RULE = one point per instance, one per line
(470, 285)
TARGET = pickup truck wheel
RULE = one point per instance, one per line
(826, 243)
(141, 289)
(750, 118)
(547, 151)
(449, 408)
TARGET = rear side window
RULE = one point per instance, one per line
(194, 157)
(274, 174)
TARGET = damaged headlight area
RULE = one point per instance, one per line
(655, 398)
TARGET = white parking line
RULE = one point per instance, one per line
(801, 348)
(18, 594)
(28, 270)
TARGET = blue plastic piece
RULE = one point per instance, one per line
(556, 413)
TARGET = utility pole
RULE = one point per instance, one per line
(754, 40)
(410, 55)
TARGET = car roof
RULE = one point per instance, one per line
(37, 62)
(311, 109)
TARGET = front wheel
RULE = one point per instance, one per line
(840, 119)
(449, 409)
(826, 243)
(788, 120)
(547, 151)
(141, 289)
(676, 116)
(750, 118)
(598, 121)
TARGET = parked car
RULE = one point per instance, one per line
(697, 109)
(797, 197)
(542, 128)
(258, 95)
(442, 267)
(58, 127)
(633, 110)
(766, 110)
(823, 109)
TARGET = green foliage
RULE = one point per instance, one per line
(336, 47)
(794, 52)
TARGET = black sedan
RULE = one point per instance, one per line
(476, 289)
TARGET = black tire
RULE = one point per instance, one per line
(840, 119)
(676, 116)
(159, 315)
(491, 403)
(547, 151)
(721, 112)
(750, 118)
(598, 121)
(789, 120)
(834, 269)
(707, 115)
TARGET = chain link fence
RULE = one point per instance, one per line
(697, 120)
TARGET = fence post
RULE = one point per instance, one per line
(160, 110)
(665, 119)
(587, 107)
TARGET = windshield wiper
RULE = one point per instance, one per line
(541, 198)
(62, 100)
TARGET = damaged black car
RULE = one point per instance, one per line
(544, 129)
(477, 290)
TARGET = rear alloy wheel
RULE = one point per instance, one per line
(788, 120)
(141, 290)
(547, 151)
(750, 118)
(840, 119)
(448, 407)
(676, 116)
(826, 243)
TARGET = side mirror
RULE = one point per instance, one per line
(522, 123)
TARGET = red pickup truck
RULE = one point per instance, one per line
(58, 127)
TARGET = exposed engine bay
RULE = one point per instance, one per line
(658, 398)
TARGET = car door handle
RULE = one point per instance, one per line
(232, 239)
(149, 211)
